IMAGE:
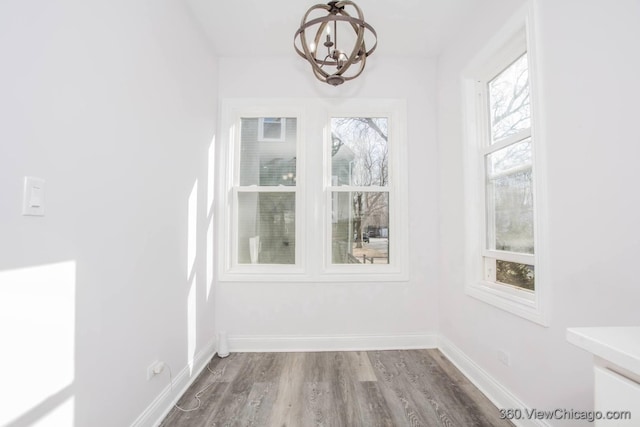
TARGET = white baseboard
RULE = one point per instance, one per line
(162, 404)
(281, 343)
(496, 392)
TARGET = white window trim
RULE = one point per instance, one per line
(313, 260)
(502, 49)
(229, 155)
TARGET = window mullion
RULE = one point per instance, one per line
(528, 259)
(359, 189)
(506, 141)
(265, 189)
(522, 168)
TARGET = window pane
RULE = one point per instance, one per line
(508, 158)
(510, 199)
(266, 228)
(359, 151)
(360, 227)
(509, 100)
(267, 163)
(516, 274)
(272, 128)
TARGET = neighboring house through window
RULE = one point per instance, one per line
(272, 128)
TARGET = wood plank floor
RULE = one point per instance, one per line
(374, 388)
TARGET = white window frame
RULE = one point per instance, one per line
(232, 112)
(395, 112)
(313, 191)
(516, 38)
(283, 129)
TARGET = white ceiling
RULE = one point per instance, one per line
(266, 28)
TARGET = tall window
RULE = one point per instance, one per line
(265, 191)
(508, 176)
(311, 191)
(503, 265)
(359, 190)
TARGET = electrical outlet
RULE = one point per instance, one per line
(504, 357)
(155, 368)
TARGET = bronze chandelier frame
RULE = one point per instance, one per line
(335, 57)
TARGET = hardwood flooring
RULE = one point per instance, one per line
(373, 388)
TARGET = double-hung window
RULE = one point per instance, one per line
(359, 190)
(265, 187)
(502, 179)
(311, 191)
(508, 179)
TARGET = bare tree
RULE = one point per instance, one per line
(367, 138)
(510, 174)
(510, 101)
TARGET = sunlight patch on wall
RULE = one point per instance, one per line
(192, 230)
(61, 416)
(192, 247)
(37, 326)
(191, 324)
(211, 170)
(209, 256)
(210, 200)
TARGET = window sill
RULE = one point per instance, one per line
(326, 277)
(522, 303)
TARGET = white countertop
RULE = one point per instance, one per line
(618, 345)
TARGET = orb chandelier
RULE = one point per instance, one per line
(336, 64)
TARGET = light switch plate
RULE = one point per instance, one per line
(33, 199)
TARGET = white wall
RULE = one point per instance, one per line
(302, 310)
(588, 69)
(114, 105)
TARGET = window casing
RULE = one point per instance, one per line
(504, 198)
(305, 207)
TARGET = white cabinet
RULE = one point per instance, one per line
(614, 396)
(616, 353)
